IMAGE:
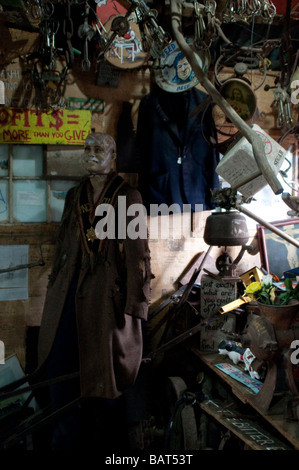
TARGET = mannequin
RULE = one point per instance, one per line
(99, 160)
(96, 301)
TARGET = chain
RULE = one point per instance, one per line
(236, 10)
(68, 30)
(39, 10)
(199, 27)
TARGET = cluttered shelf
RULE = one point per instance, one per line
(246, 389)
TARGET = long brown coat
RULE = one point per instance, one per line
(111, 300)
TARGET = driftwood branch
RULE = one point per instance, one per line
(255, 141)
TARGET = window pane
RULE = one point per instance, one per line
(66, 161)
(27, 160)
(4, 201)
(4, 153)
(58, 190)
(29, 201)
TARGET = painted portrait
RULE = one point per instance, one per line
(240, 96)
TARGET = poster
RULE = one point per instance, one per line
(13, 283)
(58, 127)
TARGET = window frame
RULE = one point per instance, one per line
(45, 177)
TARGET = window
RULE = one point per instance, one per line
(34, 180)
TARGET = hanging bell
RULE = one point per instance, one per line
(226, 229)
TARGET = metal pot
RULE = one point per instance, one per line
(281, 316)
(226, 229)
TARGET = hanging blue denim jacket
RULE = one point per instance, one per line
(175, 149)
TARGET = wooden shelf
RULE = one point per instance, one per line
(246, 429)
(289, 430)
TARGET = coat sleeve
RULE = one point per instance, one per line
(137, 258)
(59, 257)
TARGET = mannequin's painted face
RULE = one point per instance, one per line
(99, 154)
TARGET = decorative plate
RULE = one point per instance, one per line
(174, 73)
(126, 51)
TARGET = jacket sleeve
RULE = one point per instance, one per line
(58, 258)
(137, 258)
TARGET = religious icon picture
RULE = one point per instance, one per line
(240, 96)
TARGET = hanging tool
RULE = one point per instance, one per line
(47, 53)
(154, 38)
(85, 32)
(68, 30)
(282, 99)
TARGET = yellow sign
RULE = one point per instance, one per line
(58, 127)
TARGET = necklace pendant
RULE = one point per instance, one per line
(179, 160)
(91, 234)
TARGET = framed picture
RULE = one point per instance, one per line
(240, 96)
(278, 255)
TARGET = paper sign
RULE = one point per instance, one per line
(13, 283)
(59, 127)
(239, 164)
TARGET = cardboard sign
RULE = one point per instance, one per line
(215, 294)
(238, 164)
(58, 127)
